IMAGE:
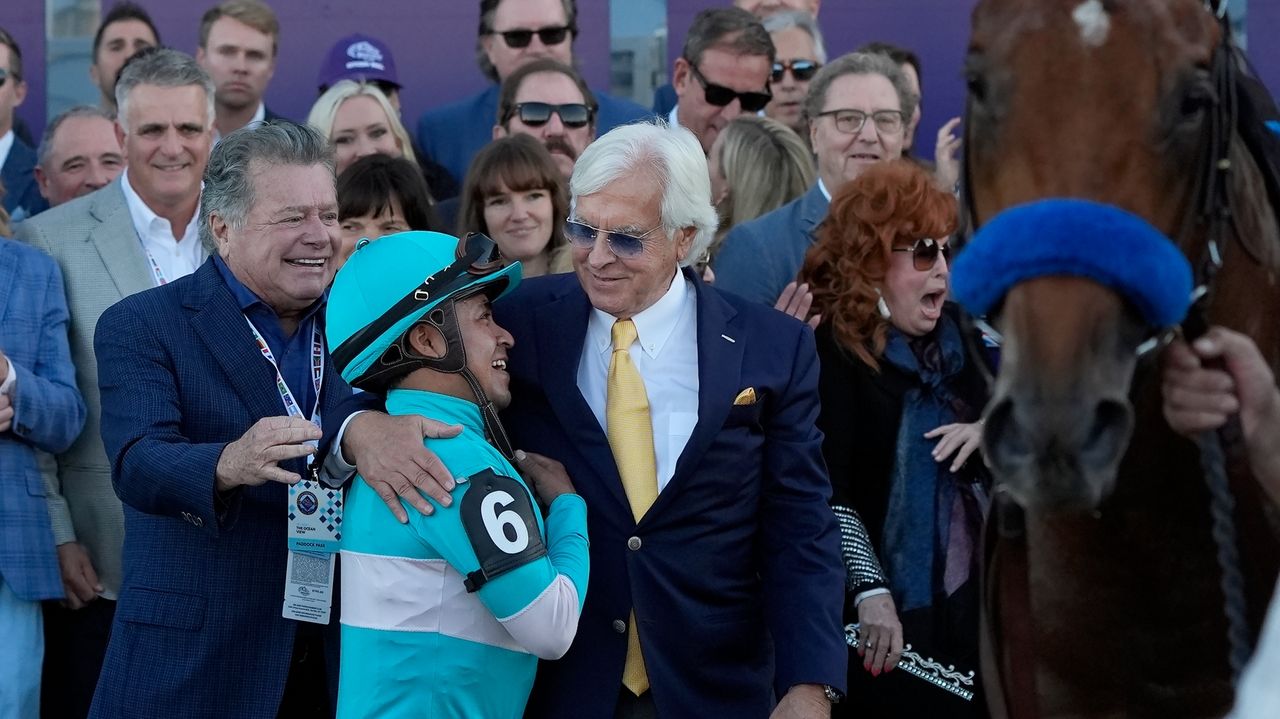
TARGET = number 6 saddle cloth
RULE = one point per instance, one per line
(448, 615)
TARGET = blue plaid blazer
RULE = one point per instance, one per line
(48, 414)
(197, 630)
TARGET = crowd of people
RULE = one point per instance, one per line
(554, 406)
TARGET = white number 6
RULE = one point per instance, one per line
(496, 523)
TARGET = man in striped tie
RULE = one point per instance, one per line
(685, 418)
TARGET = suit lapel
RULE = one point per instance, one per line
(562, 330)
(219, 323)
(720, 346)
(117, 243)
(813, 208)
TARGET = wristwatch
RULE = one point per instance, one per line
(833, 695)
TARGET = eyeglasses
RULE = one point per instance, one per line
(801, 70)
(537, 114)
(517, 39)
(850, 122)
(621, 244)
(924, 253)
(476, 256)
(719, 95)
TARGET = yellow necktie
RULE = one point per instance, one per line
(631, 439)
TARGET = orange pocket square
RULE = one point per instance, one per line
(745, 397)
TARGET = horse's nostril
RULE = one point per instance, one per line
(1006, 443)
(1108, 434)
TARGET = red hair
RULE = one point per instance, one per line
(889, 203)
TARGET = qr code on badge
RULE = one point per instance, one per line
(309, 570)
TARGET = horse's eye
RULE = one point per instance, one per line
(1198, 95)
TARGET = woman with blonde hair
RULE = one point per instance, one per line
(900, 407)
(757, 165)
(360, 121)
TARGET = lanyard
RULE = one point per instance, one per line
(317, 372)
(160, 278)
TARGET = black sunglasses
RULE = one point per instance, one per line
(622, 244)
(517, 39)
(719, 95)
(476, 256)
(801, 70)
(924, 253)
(537, 114)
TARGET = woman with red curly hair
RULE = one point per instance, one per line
(900, 415)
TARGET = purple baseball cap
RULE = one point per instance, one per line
(358, 57)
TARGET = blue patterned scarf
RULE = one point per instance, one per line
(933, 518)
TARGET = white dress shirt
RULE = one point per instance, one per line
(175, 258)
(6, 144)
(259, 117)
(666, 355)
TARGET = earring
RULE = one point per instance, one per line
(881, 305)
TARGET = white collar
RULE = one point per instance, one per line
(142, 214)
(673, 118)
(654, 324)
(825, 192)
(6, 144)
(259, 116)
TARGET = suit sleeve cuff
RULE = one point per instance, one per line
(10, 379)
(336, 471)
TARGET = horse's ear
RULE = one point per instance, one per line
(1258, 125)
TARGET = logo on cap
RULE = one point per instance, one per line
(364, 55)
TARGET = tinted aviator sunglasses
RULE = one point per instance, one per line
(537, 114)
(801, 70)
(517, 39)
(623, 245)
(924, 253)
(719, 95)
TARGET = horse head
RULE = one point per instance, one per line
(1106, 100)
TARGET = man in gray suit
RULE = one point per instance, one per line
(135, 233)
(857, 109)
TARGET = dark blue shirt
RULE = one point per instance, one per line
(292, 353)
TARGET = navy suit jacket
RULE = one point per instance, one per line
(197, 631)
(48, 414)
(737, 581)
(758, 258)
(22, 197)
(451, 135)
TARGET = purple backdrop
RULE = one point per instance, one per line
(434, 43)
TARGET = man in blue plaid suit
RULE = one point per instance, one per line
(40, 411)
(197, 377)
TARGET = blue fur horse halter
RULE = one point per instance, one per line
(1078, 238)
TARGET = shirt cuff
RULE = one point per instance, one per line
(336, 470)
(10, 378)
(857, 599)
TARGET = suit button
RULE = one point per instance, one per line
(633, 544)
(619, 626)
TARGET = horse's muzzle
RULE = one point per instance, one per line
(1057, 456)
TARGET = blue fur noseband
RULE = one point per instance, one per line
(1079, 238)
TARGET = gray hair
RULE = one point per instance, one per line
(163, 67)
(673, 156)
(50, 132)
(788, 19)
(731, 29)
(859, 63)
(228, 190)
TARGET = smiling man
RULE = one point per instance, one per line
(239, 40)
(80, 153)
(135, 233)
(857, 110)
(212, 387)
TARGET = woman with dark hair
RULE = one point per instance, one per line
(900, 415)
(515, 194)
(381, 195)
